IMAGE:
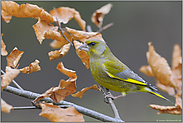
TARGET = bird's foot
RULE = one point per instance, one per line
(109, 95)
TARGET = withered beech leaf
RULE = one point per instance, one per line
(7, 78)
(176, 56)
(167, 109)
(80, 35)
(6, 108)
(26, 11)
(146, 69)
(33, 67)
(59, 53)
(167, 89)
(69, 73)
(178, 100)
(160, 67)
(3, 47)
(43, 28)
(82, 92)
(57, 114)
(98, 15)
(5, 16)
(64, 88)
(82, 54)
(65, 14)
(14, 57)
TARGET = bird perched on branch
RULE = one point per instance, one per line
(111, 73)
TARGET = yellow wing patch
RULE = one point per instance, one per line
(133, 81)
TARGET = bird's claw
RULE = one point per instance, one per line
(109, 95)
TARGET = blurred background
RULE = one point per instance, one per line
(135, 24)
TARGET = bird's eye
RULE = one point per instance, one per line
(91, 44)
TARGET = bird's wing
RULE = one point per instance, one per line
(117, 71)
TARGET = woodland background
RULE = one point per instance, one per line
(135, 24)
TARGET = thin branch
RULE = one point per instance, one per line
(110, 101)
(37, 107)
(14, 82)
(105, 27)
(89, 29)
(83, 110)
(60, 28)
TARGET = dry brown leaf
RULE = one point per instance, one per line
(98, 15)
(59, 93)
(82, 92)
(80, 35)
(33, 67)
(69, 73)
(167, 109)
(178, 100)
(64, 89)
(6, 108)
(176, 56)
(7, 78)
(160, 67)
(82, 54)
(167, 89)
(57, 114)
(45, 30)
(5, 16)
(26, 11)
(14, 57)
(65, 14)
(59, 53)
(3, 47)
(146, 69)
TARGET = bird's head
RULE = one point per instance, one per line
(94, 47)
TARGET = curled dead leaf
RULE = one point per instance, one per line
(146, 69)
(7, 78)
(14, 57)
(167, 109)
(26, 11)
(160, 67)
(33, 67)
(45, 30)
(176, 56)
(64, 88)
(59, 53)
(65, 14)
(3, 47)
(69, 73)
(82, 92)
(167, 89)
(98, 15)
(178, 100)
(57, 114)
(80, 35)
(82, 54)
(6, 108)
(5, 16)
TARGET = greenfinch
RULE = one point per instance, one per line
(111, 73)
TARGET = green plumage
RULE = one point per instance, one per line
(111, 73)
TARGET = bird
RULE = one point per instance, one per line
(109, 72)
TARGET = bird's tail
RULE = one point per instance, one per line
(159, 95)
(148, 90)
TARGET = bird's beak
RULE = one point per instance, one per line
(84, 47)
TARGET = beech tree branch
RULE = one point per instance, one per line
(83, 110)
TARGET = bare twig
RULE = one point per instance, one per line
(105, 27)
(110, 101)
(83, 110)
(88, 28)
(36, 107)
(14, 82)
(60, 28)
